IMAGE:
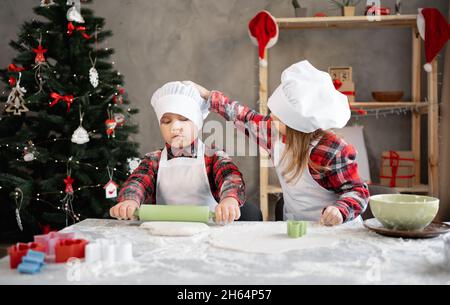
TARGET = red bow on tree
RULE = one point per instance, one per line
(14, 68)
(56, 98)
(68, 181)
(39, 59)
(81, 29)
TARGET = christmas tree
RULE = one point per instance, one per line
(64, 131)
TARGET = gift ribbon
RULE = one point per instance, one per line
(81, 29)
(56, 98)
(394, 163)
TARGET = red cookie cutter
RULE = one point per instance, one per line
(16, 252)
(67, 248)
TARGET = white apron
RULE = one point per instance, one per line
(304, 199)
(183, 181)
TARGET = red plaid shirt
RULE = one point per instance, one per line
(225, 179)
(331, 151)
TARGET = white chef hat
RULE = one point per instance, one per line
(306, 100)
(180, 98)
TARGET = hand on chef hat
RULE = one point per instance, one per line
(306, 100)
(180, 98)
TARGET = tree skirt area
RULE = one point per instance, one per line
(249, 253)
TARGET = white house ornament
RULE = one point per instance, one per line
(15, 103)
(111, 189)
(133, 163)
(80, 135)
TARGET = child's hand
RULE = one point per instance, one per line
(227, 210)
(124, 210)
(331, 217)
(204, 93)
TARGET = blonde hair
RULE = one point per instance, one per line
(295, 157)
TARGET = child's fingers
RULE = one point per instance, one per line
(231, 214)
(115, 211)
(238, 213)
(130, 212)
(218, 214)
(225, 214)
(111, 212)
(328, 217)
(123, 211)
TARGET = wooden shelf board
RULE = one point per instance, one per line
(346, 22)
(375, 104)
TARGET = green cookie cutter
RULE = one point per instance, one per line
(296, 229)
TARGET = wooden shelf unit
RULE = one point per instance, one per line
(418, 107)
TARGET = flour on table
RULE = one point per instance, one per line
(174, 228)
(270, 238)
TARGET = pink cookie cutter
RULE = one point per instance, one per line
(49, 240)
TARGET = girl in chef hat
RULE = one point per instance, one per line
(185, 172)
(316, 169)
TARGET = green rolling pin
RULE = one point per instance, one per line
(183, 213)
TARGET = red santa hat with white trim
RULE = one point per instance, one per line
(263, 31)
(434, 30)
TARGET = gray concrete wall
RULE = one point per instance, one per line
(206, 40)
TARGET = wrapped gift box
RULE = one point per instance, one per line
(397, 169)
(347, 88)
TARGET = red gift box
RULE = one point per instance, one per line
(18, 251)
(67, 248)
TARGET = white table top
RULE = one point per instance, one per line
(358, 257)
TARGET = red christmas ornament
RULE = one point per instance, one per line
(12, 81)
(39, 59)
(66, 98)
(111, 125)
(68, 181)
(118, 98)
(82, 29)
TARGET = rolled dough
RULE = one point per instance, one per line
(174, 228)
(270, 238)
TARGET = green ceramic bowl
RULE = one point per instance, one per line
(404, 212)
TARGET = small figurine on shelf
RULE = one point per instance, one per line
(374, 8)
(347, 6)
(398, 7)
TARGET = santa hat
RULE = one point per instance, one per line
(263, 31)
(435, 30)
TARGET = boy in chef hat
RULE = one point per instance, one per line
(316, 169)
(185, 172)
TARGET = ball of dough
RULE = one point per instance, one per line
(174, 228)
